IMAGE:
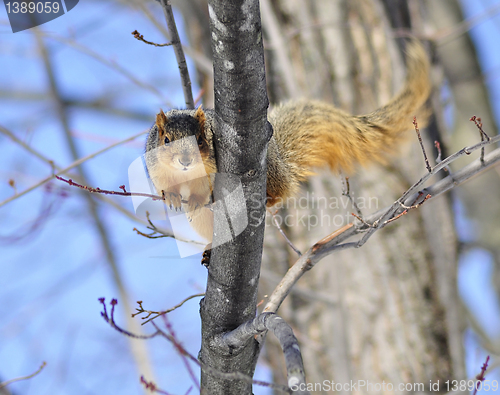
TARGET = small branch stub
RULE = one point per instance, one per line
(140, 37)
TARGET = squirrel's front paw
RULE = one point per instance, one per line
(173, 200)
(195, 206)
(205, 260)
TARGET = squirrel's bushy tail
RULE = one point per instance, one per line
(310, 134)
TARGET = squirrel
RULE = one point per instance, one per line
(307, 134)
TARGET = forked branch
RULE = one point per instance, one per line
(239, 337)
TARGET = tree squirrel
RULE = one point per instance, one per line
(307, 134)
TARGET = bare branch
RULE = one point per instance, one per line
(6, 383)
(408, 208)
(273, 214)
(140, 37)
(201, 61)
(439, 156)
(149, 385)
(346, 191)
(480, 377)
(156, 231)
(484, 136)
(156, 314)
(108, 192)
(31, 150)
(181, 351)
(160, 233)
(427, 165)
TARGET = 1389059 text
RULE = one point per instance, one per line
(23, 7)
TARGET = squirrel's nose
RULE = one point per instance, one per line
(186, 161)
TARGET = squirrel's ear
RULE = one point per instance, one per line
(199, 115)
(161, 119)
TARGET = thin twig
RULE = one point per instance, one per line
(439, 156)
(408, 208)
(6, 383)
(480, 377)
(359, 218)
(200, 60)
(346, 191)
(123, 193)
(484, 136)
(140, 37)
(155, 230)
(180, 351)
(275, 221)
(141, 310)
(217, 373)
(151, 386)
(153, 235)
(28, 148)
(108, 192)
(479, 125)
(427, 165)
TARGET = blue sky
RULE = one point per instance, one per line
(52, 268)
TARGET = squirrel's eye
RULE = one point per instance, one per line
(167, 140)
(200, 140)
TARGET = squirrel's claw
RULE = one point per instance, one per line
(173, 201)
(194, 208)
